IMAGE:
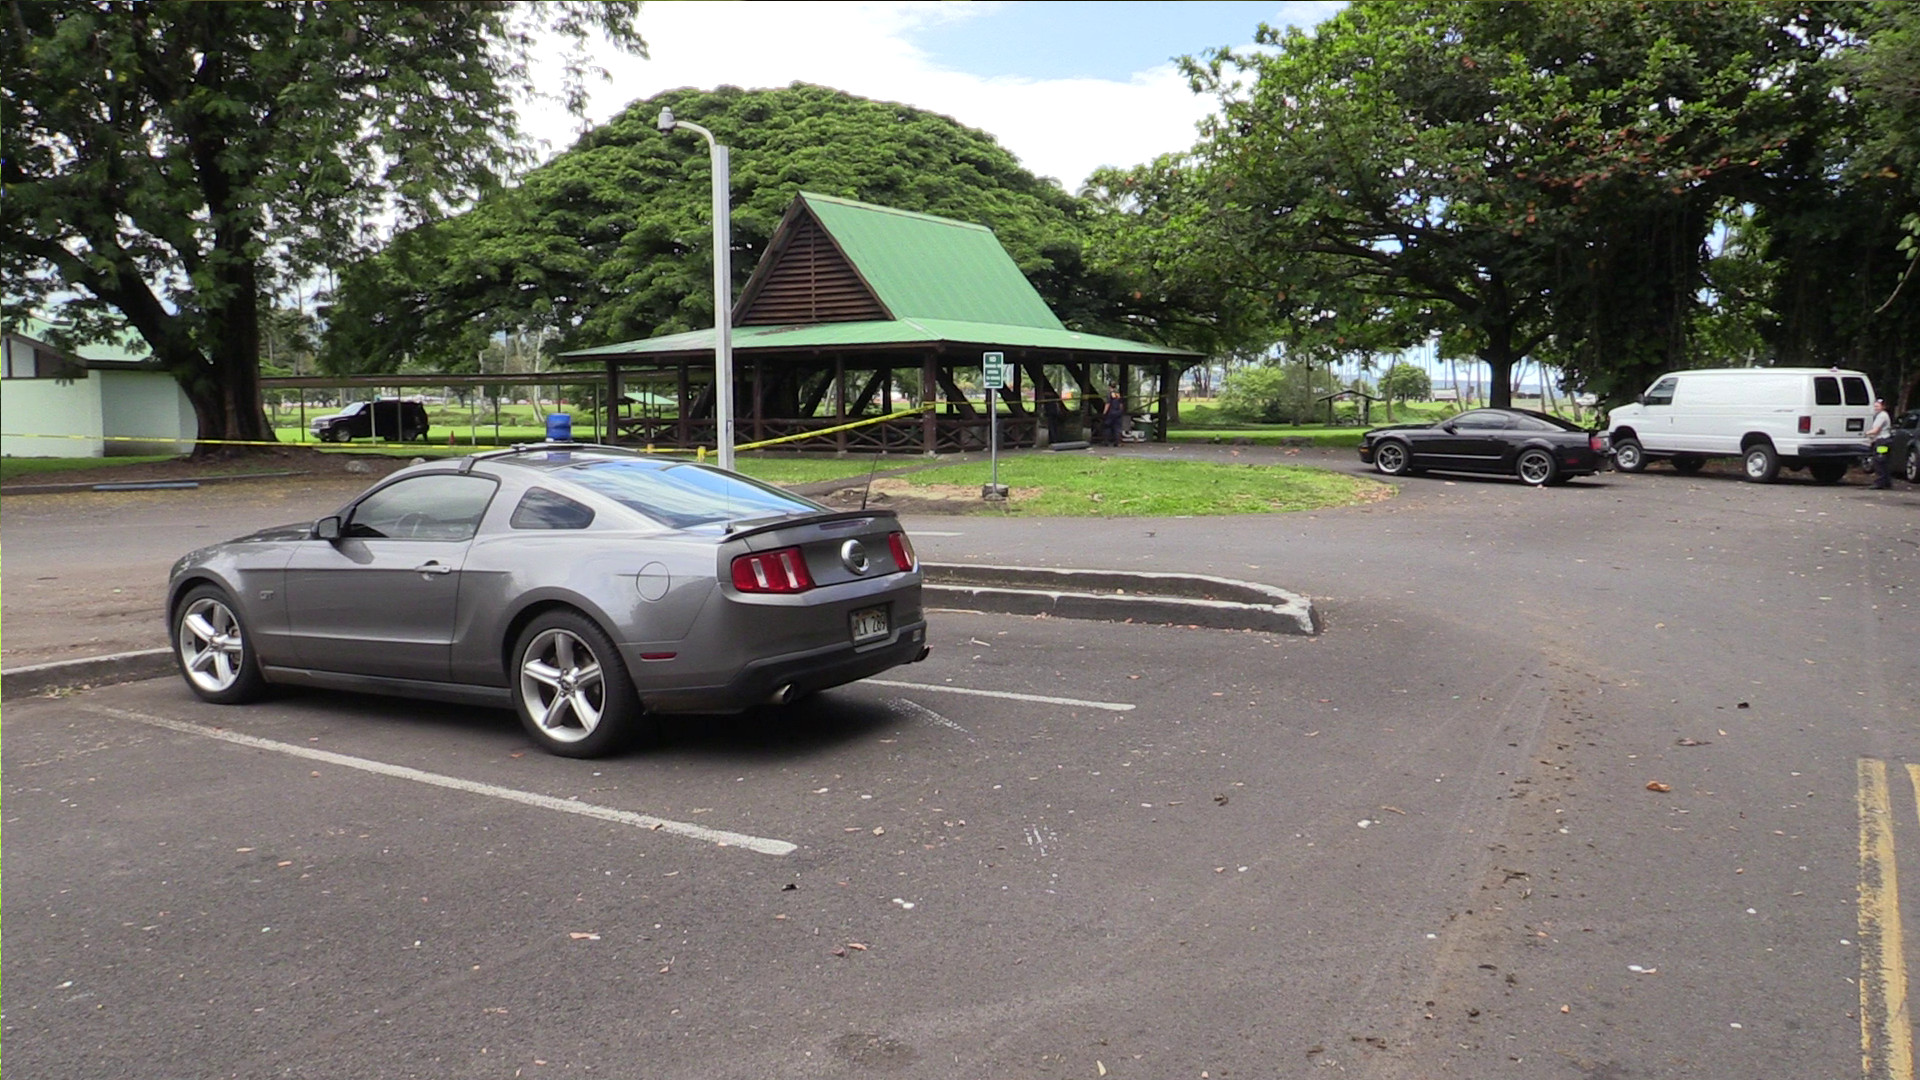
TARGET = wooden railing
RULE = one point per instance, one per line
(900, 435)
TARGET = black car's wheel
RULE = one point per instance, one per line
(1827, 472)
(1912, 470)
(1761, 463)
(1628, 456)
(1687, 464)
(1535, 467)
(210, 644)
(1392, 458)
(573, 692)
(338, 434)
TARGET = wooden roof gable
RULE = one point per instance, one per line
(837, 260)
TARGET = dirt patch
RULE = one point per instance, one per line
(901, 497)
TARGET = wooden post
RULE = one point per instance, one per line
(929, 387)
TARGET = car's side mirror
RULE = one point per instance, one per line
(1449, 427)
(327, 528)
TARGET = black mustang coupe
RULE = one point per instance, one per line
(1537, 448)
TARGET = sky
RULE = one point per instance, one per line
(1067, 87)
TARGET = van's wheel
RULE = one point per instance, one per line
(572, 691)
(1762, 464)
(1912, 471)
(1391, 457)
(1687, 464)
(210, 644)
(1628, 456)
(1535, 467)
(1827, 472)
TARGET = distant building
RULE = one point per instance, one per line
(99, 400)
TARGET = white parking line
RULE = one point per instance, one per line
(526, 798)
(1110, 706)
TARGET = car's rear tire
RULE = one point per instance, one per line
(210, 645)
(1687, 464)
(1761, 463)
(571, 689)
(1393, 458)
(1912, 470)
(1827, 472)
(1535, 467)
(1628, 455)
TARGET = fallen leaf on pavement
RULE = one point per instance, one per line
(1655, 785)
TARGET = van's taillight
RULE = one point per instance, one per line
(902, 549)
(1806, 424)
(780, 571)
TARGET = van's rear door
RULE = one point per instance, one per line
(1842, 405)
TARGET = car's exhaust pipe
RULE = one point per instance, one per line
(925, 651)
(781, 696)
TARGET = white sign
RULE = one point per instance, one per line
(993, 368)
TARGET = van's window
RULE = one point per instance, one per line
(1662, 392)
(1856, 389)
(1826, 390)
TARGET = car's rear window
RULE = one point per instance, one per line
(682, 495)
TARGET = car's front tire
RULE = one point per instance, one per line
(1628, 455)
(210, 645)
(571, 689)
(1761, 463)
(1535, 467)
(1392, 458)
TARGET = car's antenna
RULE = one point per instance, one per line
(869, 488)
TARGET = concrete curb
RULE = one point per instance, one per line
(1120, 596)
(1099, 595)
(88, 671)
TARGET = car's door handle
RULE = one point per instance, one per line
(431, 567)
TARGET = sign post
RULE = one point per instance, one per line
(993, 371)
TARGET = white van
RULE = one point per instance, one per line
(1771, 418)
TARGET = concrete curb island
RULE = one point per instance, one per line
(1098, 595)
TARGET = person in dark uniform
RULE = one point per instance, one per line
(1115, 416)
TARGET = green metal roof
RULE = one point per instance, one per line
(878, 334)
(931, 267)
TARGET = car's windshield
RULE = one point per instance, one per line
(682, 495)
(356, 407)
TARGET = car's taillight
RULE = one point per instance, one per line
(780, 571)
(902, 549)
(1806, 424)
(1597, 443)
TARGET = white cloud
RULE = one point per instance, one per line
(1063, 128)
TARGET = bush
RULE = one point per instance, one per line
(1276, 394)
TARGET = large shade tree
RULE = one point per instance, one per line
(168, 163)
(612, 240)
(1516, 176)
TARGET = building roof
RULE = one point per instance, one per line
(846, 275)
(96, 354)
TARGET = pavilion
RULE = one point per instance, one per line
(847, 295)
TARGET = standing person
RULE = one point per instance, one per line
(1877, 437)
(1115, 416)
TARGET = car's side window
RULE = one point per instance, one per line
(1662, 392)
(1483, 421)
(1532, 423)
(543, 509)
(437, 506)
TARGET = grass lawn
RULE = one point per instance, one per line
(1053, 485)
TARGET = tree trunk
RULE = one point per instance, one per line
(1498, 355)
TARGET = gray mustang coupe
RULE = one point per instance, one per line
(587, 587)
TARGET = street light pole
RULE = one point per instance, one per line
(722, 286)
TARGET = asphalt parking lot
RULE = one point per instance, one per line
(1421, 843)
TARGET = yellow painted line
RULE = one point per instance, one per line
(1886, 1035)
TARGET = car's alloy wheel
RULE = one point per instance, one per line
(1627, 455)
(1762, 464)
(210, 643)
(1391, 457)
(1913, 464)
(1534, 466)
(574, 695)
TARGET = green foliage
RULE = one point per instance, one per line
(174, 161)
(1405, 382)
(611, 240)
(1276, 393)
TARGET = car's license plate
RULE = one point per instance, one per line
(869, 623)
